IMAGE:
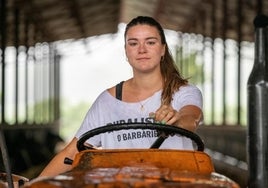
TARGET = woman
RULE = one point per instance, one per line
(155, 93)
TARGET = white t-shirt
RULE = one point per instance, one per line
(109, 110)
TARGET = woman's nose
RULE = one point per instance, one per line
(142, 48)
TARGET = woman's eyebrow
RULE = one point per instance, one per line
(148, 38)
(132, 39)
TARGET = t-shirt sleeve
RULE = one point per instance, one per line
(89, 123)
(188, 95)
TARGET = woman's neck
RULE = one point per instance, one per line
(140, 89)
(147, 81)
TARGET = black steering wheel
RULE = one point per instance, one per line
(167, 129)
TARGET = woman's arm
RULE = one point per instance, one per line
(188, 117)
(56, 165)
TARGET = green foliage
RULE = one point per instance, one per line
(71, 118)
(189, 67)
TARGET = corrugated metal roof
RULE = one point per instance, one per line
(53, 20)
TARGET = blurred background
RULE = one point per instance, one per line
(57, 56)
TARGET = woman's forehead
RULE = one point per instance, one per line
(142, 30)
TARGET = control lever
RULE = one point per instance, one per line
(68, 161)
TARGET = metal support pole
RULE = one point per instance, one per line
(16, 42)
(258, 108)
(224, 31)
(3, 48)
(26, 42)
(213, 31)
(239, 35)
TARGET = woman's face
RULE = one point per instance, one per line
(144, 48)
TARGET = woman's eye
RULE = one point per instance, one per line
(151, 42)
(132, 44)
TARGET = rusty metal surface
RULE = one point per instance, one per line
(138, 168)
(193, 161)
(134, 177)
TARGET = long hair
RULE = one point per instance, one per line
(172, 78)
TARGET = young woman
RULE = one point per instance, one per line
(156, 93)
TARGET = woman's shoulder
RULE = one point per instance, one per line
(110, 92)
(188, 91)
(189, 87)
(188, 94)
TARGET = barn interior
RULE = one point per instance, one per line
(34, 24)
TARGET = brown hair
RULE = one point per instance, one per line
(171, 76)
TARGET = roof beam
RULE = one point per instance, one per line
(74, 11)
(32, 12)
